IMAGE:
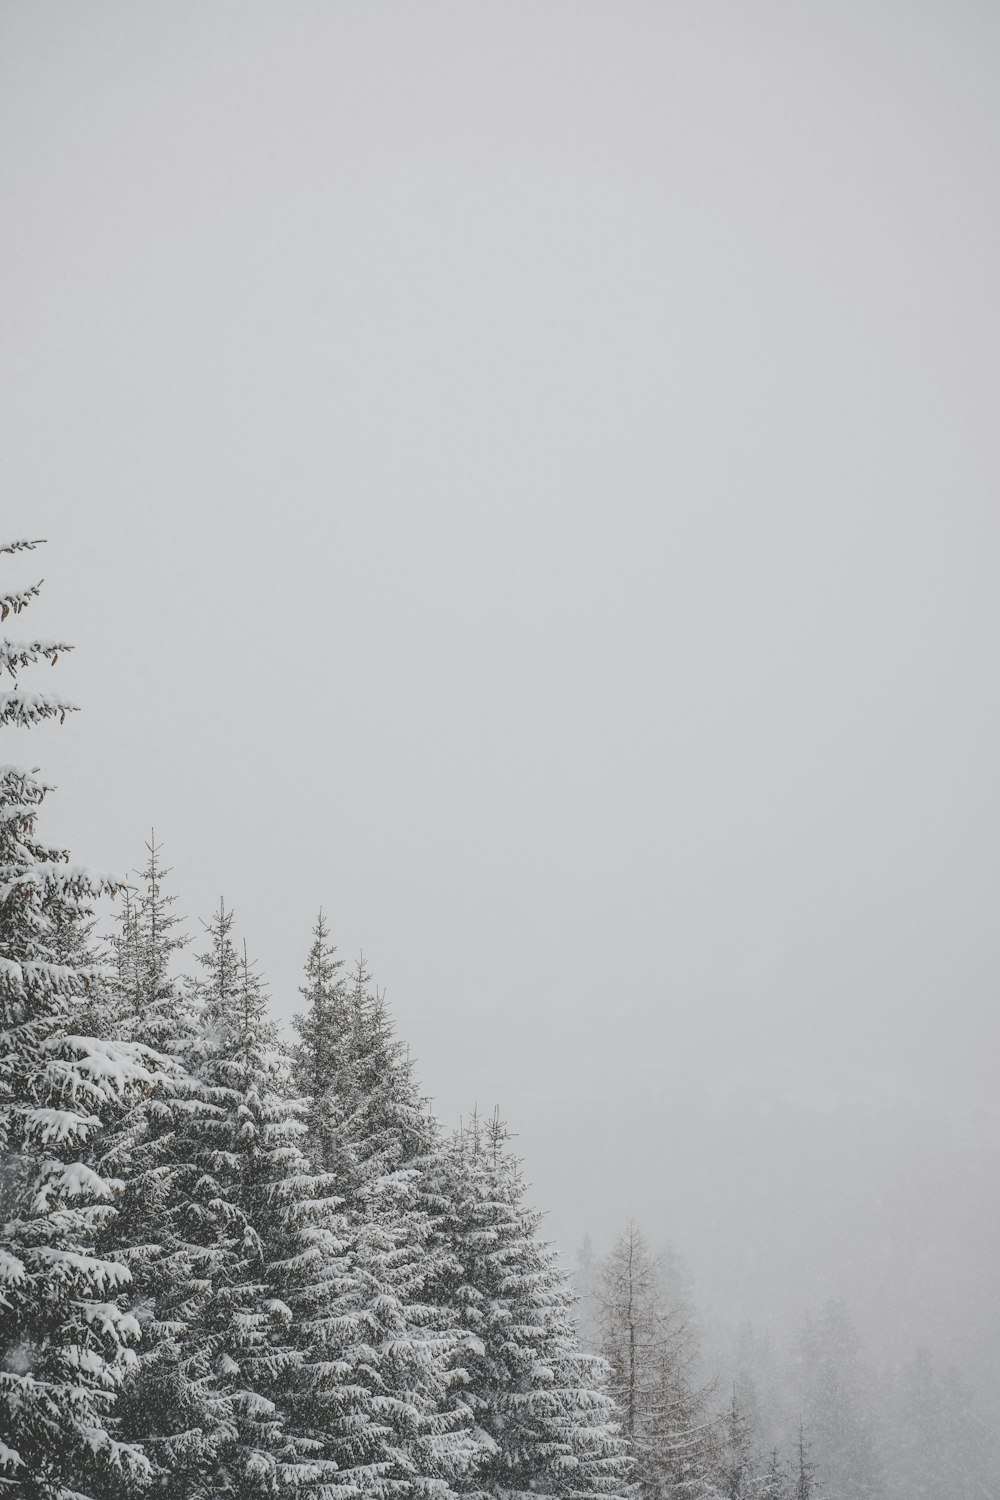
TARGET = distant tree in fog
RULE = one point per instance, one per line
(586, 1273)
(837, 1398)
(805, 1485)
(652, 1353)
(758, 1378)
(740, 1469)
(936, 1443)
(774, 1483)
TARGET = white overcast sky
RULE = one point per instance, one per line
(525, 476)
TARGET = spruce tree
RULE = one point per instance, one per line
(152, 1006)
(157, 1008)
(216, 1431)
(125, 946)
(321, 1054)
(66, 1336)
(544, 1421)
(378, 1122)
(259, 1294)
(371, 1128)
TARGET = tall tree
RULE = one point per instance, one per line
(216, 1428)
(157, 1009)
(321, 1055)
(651, 1352)
(805, 1486)
(151, 1005)
(740, 1470)
(838, 1403)
(262, 1299)
(370, 1127)
(383, 1124)
(66, 1336)
(544, 1420)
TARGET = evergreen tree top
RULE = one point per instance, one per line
(232, 993)
(18, 707)
(64, 1321)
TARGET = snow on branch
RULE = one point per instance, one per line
(12, 604)
(31, 708)
(22, 544)
(17, 654)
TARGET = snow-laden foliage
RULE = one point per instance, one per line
(321, 1056)
(230, 1272)
(156, 1008)
(411, 1432)
(544, 1420)
(67, 1336)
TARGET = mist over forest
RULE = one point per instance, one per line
(520, 479)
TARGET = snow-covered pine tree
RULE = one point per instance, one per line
(390, 1156)
(320, 1058)
(65, 1336)
(377, 1135)
(544, 1420)
(125, 946)
(259, 1294)
(157, 1009)
(149, 1005)
(152, 1006)
(371, 1119)
(209, 1427)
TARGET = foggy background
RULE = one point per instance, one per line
(525, 477)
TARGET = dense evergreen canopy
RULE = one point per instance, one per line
(232, 1269)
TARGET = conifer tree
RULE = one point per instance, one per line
(258, 1296)
(739, 1476)
(838, 1404)
(372, 1130)
(650, 1350)
(805, 1469)
(383, 1125)
(389, 1164)
(544, 1420)
(760, 1388)
(157, 1011)
(125, 946)
(213, 1430)
(152, 1006)
(774, 1481)
(321, 1055)
(65, 1335)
